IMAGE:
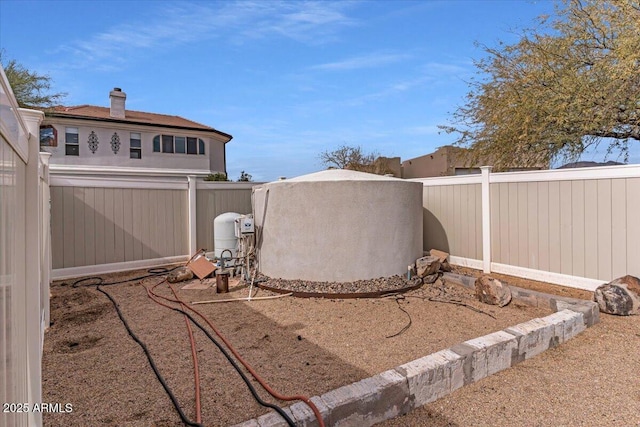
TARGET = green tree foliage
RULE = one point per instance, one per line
(569, 84)
(30, 88)
(218, 176)
(244, 177)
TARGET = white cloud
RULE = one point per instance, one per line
(364, 61)
(422, 130)
(309, 22)
(183, 23)
(390, 90)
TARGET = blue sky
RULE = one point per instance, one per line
(286, 79)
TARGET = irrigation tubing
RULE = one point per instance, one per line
(262, 382)
(153, 272)
(99, 281)
(183, 417)
(252, 389)
(196, 370)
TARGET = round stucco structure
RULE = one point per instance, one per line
(338, 226)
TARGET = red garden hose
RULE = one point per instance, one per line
(272, 392)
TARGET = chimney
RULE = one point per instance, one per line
(118, 97)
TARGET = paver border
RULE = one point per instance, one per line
(397, 391)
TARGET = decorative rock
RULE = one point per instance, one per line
(632, 282)
(427, 266)
(442, 256)
(444, 266)
(180, 274)
(492, 291)
(431, 278)
(620, 296)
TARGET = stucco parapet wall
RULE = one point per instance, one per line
(424, 380)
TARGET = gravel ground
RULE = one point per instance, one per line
(382, 284)
(300, 346)
(592, 380)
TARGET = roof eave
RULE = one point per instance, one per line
(134, 122)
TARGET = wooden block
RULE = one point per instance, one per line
(201, 266)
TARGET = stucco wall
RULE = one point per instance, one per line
(429, 165)
(338, 226)
(212, 160)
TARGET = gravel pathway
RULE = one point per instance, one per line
(591, 380)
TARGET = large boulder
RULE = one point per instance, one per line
(620, 296)
(492, 291)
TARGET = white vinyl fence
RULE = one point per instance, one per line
(106, 223)
(573, 227)
(24, 265)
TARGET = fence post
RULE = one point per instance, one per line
(486, 219)
(33, 310)
(192, 215)
(45, 223)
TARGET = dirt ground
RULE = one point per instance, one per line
(591, 380)
(300, 346)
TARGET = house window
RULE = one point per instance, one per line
(135, 146)
(192, 147)
(71, 142)
(48, 136)
(167, 143)
(178, 144)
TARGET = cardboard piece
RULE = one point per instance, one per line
(201, 266)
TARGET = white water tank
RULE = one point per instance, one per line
(224, 236)
(338, 226)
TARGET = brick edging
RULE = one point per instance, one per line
(397, 391)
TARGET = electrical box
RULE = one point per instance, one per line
(244, 225)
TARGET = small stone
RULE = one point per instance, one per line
(492, 291)
(445, 266)
(180, 274)
(620, 296)
(427, 266)
(431, 278)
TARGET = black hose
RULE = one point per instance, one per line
(253, 391)
(157, 372)
(183, 417)
(157, 271)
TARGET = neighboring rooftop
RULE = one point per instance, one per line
(118, 113)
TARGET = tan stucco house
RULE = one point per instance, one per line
(446, 161)
(114, 137)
